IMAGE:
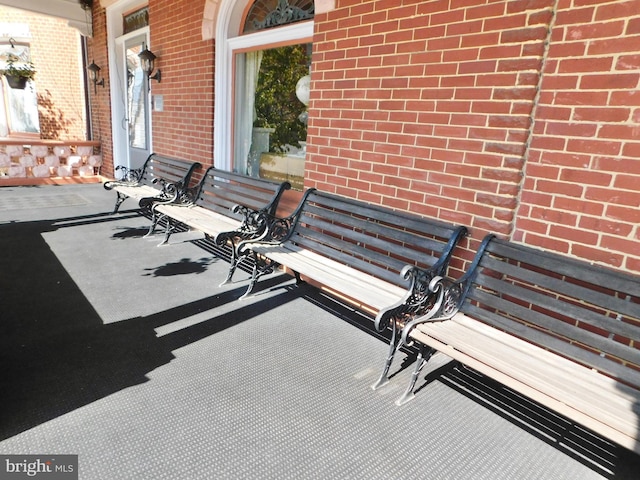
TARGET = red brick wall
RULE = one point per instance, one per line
(101, 100)
(518, 117)
(56, 54)
(185, 128)
(582, 190)
(428, 107)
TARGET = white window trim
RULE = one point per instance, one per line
(226, 47)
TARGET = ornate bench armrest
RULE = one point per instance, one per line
(274, 231)
(277, 230)
(448, 295)
(415, 300)
(447, 300)
(170, 193)
(129, 177)
(253, 226)
(249, 215)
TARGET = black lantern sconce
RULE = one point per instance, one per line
(147, 60)
(94, 71)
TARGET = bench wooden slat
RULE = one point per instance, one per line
(251, 194)
(569, 350)
(573, 268)
(345, 271)
(382, 214)
(369, 230)
(377, 264)
(583, 313)
(165, 168)
(555, 386)
(366, 289)
(200, 218)
(586, 306)
(590, 293)
(368, 237)
(170, 172)
(217, 204)
(369, 241)
(561, 378)
(221, 190)
(549, 323)
(575, 312)
(581, 377)
(555, 370)
(356, 264)
(140, 191)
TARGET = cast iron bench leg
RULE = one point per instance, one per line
(254, 278)
(234, 261)
(232, 270)
(421, 361)
(261, 266)
(394, 346)
(156, 217)
(119, 199)
(168, 231)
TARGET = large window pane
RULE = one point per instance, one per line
(271, 119)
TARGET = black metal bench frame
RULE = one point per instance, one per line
(560, 331)
(226, 206)
(364, 253)
(159, 178)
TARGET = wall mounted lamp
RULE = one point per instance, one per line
(94, 71)
(147, 60)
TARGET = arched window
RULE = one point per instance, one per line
(275, 13)
(262, 87)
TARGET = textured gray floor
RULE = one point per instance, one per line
(132, 357)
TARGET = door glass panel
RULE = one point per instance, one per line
(136, 99)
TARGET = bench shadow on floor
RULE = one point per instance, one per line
(577, 442)
(56, 353)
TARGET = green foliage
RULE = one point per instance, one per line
(26, 70)
(276, 103)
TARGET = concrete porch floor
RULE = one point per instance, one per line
(132, 357)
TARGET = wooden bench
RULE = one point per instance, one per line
(159, 178)
(227, 206)
(360, 252)
(560, 331)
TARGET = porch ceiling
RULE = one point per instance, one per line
(69, 10)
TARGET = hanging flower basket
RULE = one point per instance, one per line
(18, 73)
(17, 82)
